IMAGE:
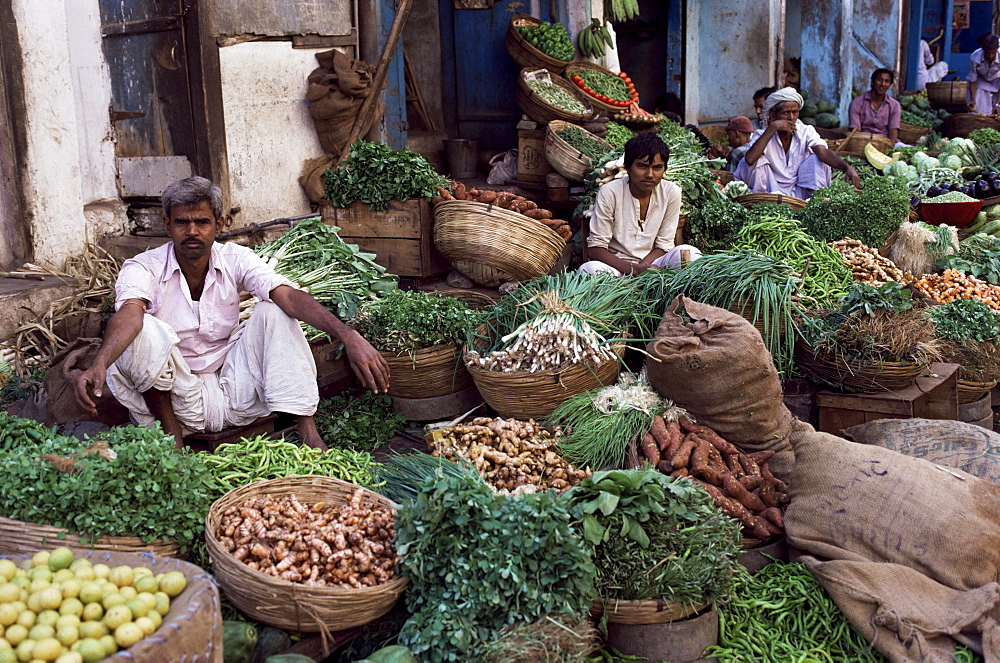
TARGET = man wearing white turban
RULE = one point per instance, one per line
(787, 156)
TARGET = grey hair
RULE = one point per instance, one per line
(191, 191)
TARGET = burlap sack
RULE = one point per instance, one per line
(717, 368)
(59, 384)
(952, 443)
(910, 553)
(311, 179)
(337, 89)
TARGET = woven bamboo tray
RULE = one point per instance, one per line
(17, 537)
(287, 605)
(724, 177)
(542, 111)
(434, 371)
(470, 233)
(536, 395)
(911, 134)
(642, 612)
(856, 377)
(751, 199)
(970, 391)
(191, 629)
(566, 159)
(523, 52)
(578, 65)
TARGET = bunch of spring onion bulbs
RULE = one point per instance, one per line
(553, 322)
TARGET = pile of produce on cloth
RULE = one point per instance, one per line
(985, 137)
(407, 320)
(656, 537)
(79, 611)
(714, 226)
(511, 455)
(968, 329)
(376, 174)
(953, 284)
(556, 95)
(820, 114)
(362, 422)
(916, 110)
(608, 88)
(508, 201)
(82, 486)
(868, 265)
(837, 212)
(550, 38)
(983, 222)
(338, 275)
(741, 484)
(962, 165)
(319, 545)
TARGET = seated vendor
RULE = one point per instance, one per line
(788, 157)
(875, 111)
(739, 130)
(635, 217)
(175, 350)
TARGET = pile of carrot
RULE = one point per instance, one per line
(740, 483)
(508, 201)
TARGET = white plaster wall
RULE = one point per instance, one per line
(52, 183)
(269, 133)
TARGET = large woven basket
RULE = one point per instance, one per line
(911, 134)
(715, 133)
(578, 65)
(536, 395)
(856, 142)
(542, 111)
(724, 177)
(516, 247)
(287, 605)
(854, 376)
(191, 629)
(477, 301)
(434, 371)
(523, 52)
(970, 391)
(17, 537)
(751, 199)
(642, 612)
(947, 93)
(961, 125)
(566, 159)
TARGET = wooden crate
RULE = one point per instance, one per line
(331, 362)
(402, 237)
(532, 166)
(933, 397)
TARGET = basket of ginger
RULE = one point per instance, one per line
(496, 236)
(305, 553)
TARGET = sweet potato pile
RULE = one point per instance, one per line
(508, 201)
(740, 483)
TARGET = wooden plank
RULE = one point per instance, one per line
(887, 403)
(941, 399)
(413, 258)
(833, 420)
(412, 219)
(317, 649)
(279, 19)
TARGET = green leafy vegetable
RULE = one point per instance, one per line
(407, 320)
(357, 422)
(864, 299)
(714, 226)
(837, 212)
(618, 135)
(376, 174)
(965, 320)
(978, 256)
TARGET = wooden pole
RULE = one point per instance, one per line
(364, 114)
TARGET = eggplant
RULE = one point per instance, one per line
(995, 187)
(934, 191)
(954, 187)
(970, 191)
(982, 189)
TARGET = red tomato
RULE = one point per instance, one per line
(628, 81)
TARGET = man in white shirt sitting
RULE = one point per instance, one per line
(174, 351)
(635, 217)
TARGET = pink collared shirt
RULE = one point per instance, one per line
(203, 326)
(872, 121)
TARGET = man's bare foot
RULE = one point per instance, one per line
(309, 434)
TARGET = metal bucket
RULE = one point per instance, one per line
(462, 156)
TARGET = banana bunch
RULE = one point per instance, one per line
(621, 10)
(594, 39)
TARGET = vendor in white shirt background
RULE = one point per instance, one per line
(635, 217)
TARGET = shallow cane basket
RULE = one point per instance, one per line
(17, 537)
(288, 605)
(854, 376)
(911, 134)
(191, 629)
(542, 111)
(566, 159)
(434, 371)
(751, 199)
(478, 301)
(506, 245)
(535, 395)
(578, 65)
(521, 49)
(643, 612)
(970, 391)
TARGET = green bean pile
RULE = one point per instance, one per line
(606, 84)
(825, 275)
(582, 142)
(260, 458)
(618, 135)
(557, 96)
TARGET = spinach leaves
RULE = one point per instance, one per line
(376, 174)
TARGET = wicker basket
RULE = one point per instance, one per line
(512, 246)
(715, 133)
(434, 371)
(724, 177)
(856, 142)
(961, 125)
(970, 391)
(580, 65)
(536, 395)
(840, 133)
(191, 629)
(17, 537)
(477, 301)
(566, 159)
(856, 376)
(287, 605)
(948, 93)
(744, 309)
(911, 134)
(523, 52)
(542, 111)
(752, 199)
(642, 612)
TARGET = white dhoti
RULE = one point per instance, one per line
(986, 98)
(268, 368)
(762, 177)
(669, 260)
